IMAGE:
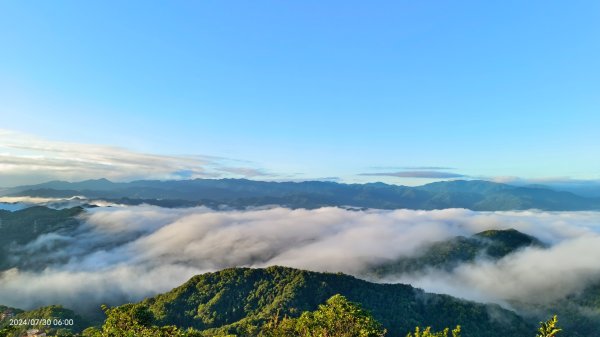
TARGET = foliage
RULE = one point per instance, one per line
(337, 317)
(241, 300)
(7, 331)
(428, 333)
(134, 320)
(549, 328)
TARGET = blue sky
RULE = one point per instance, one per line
(312, 89)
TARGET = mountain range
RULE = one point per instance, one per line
(476, 195)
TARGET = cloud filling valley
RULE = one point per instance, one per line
(123, 254)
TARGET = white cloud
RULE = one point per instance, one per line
(28, 159)
(533, 276)
(125, 254)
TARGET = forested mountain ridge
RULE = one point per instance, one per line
(23, 226)
(470, 194)
(238, 300)
(447, 254)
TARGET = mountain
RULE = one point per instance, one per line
(490, 244)
(238, 299)
(585, 188)
(23, 226)
(240, 193)
(579, 312)
(93, 184)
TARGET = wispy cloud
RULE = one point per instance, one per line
(299, 180)
(427, 168)
(27, 159)
(430, 174)
(433, 168)
(248, 172)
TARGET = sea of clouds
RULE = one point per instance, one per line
(123, 254)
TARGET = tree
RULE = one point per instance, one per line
(427, 332)
(338, 317)
(134, 320)
(549, 328)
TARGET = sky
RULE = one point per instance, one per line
(397, 91)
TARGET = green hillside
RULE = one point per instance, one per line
(492, 244)
(238, 300)
(23, 226)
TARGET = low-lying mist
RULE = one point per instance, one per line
(123, 254)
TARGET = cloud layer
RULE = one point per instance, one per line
(533, 276)
(429, 174)
(26, 159)
(122, 254)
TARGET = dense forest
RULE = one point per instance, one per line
(337, 317)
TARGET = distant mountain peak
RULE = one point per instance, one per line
(100, 180)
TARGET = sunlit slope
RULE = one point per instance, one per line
(235, 299)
